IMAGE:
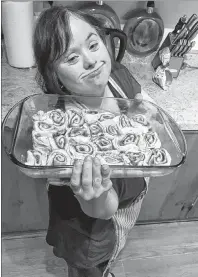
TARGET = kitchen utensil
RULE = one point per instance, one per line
(17, 129)
(181, 42)
(186, 28)
(189, 48)
(184, 43)
(182, 34)
(144, 30)
(185, 47)
(193, 32)
(179, 24)
(176, 47)
(191, 21)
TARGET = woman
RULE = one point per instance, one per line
(91, 215)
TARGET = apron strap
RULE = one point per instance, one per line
(117, 88)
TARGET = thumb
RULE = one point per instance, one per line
(138, 97)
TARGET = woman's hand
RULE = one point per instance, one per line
(90, 179)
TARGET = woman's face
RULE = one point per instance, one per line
(86, 66)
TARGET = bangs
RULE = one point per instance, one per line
(61, 37)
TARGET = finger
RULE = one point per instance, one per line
(96, 173)
(97, 178)
(76, 176)
(87, 174)
(106, 173)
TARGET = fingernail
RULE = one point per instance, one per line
(96, 161)
(79, 161)
(88, 158)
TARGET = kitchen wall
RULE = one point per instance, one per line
(169, 10)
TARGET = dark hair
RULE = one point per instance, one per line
(51, 39)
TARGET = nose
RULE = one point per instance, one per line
(89, 61)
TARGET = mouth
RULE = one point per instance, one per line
(94, 73)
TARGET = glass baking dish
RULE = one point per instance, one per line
(18, 125)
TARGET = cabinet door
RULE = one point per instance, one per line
(24, 200)
(170, 196)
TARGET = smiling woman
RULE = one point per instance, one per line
(91, 216)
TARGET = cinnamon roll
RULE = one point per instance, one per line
(157, 157)
(60, 141)
(141, 119)
(44, 128)
(57, 117)
(122, 121)
(110, 157)
(127, 142)
(75, 118)
(105, 116)
(136, 158)
(36, 158)
(90, 116)
(96, 129)
(41, 142)
(79, 131)
(113, 131)
(103, 143)
(51, 121)
(149, 140)
(59, 157)
(81, 149)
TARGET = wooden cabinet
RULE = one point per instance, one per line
(24, 200)
(25, 204)
(169, 197)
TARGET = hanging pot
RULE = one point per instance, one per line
(144, 30)
(101, 11)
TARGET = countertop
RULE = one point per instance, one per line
(180, 100)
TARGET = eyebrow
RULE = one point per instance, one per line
(89, 35)
(74, 48)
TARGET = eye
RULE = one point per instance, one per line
(94, 46)
(72, 59)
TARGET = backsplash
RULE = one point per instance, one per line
(169, 10)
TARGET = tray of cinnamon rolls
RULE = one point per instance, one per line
(49, 132)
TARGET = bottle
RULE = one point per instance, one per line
(18, 24)
(144, 30)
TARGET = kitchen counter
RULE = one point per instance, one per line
(180, 100)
